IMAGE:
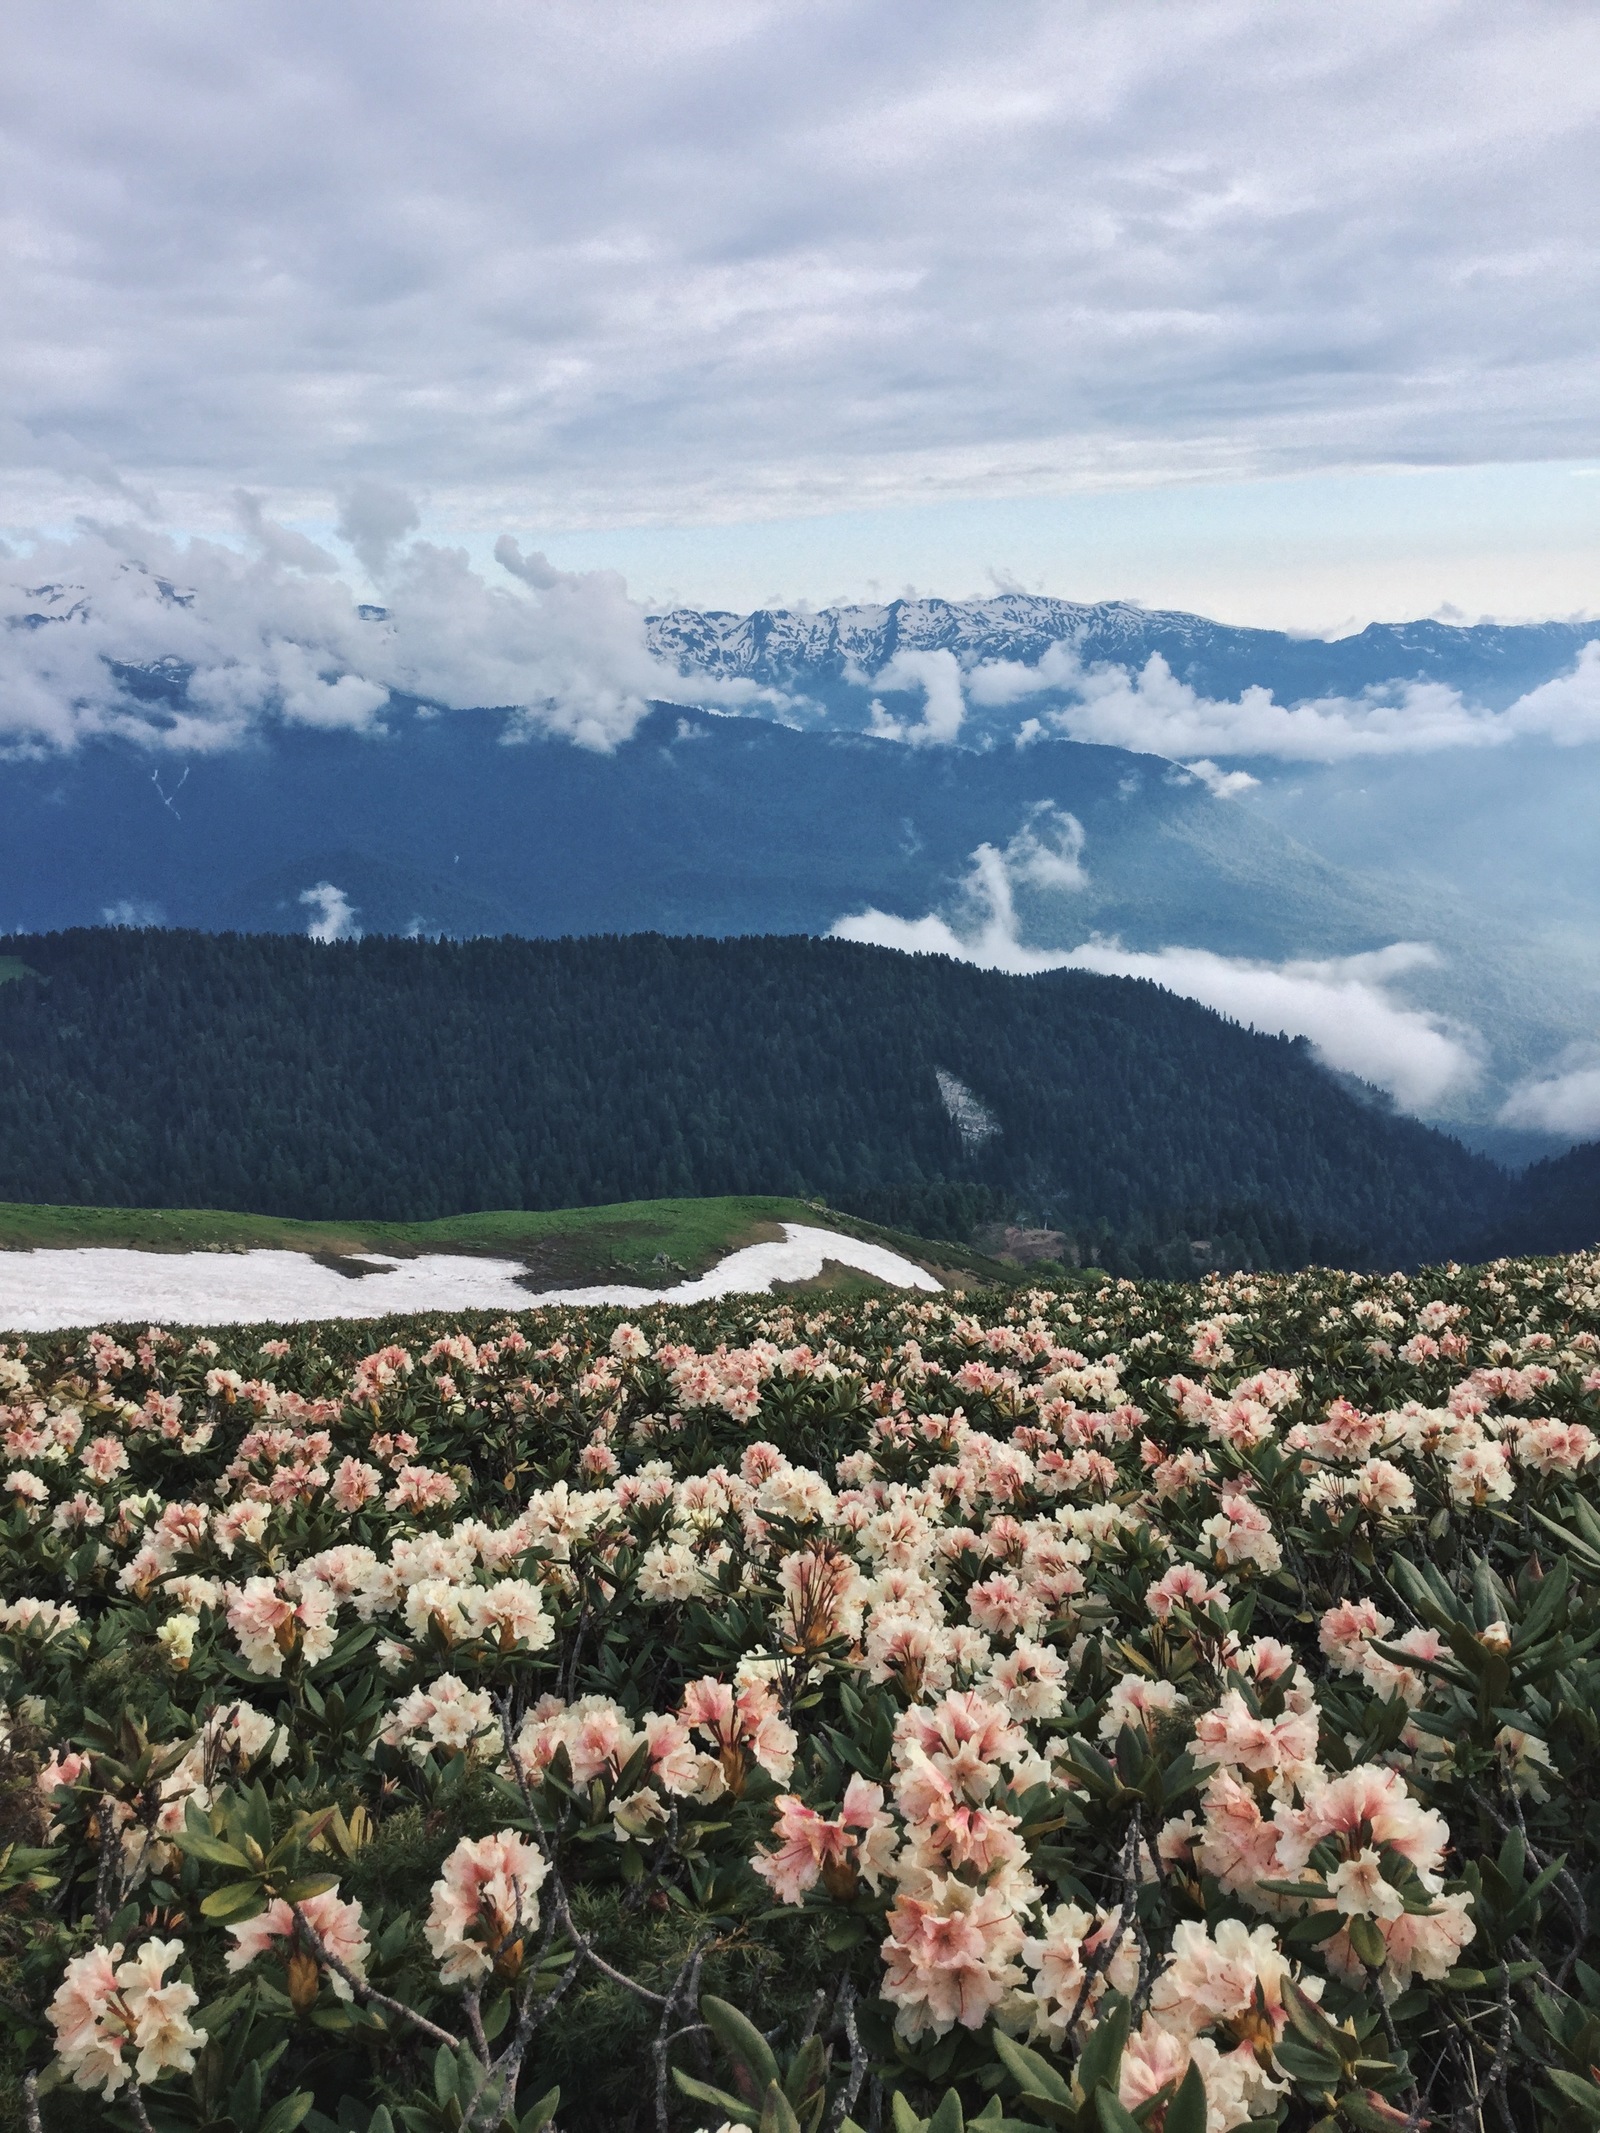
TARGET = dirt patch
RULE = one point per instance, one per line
(350, 1265)
(619, 1251)
(1024, 1247)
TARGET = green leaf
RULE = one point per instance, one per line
(905, 2119)
(211, 1849)
(1187, 2111)
(1309, 2019)
(991, 2119)
(719, 2099)
(741, 2040)
(541, 2114)
(1540, 1616)
(949, 2118)
(1368, 1942)
(1513, 1860)
(1101, 2058)
(235, 1899)
(1030, 2070)
(1114, 2116)
(1315, 1926)
(1313, 2065)
(255, 1813)
(777, 2115)
(244, 2104)
(1053, 2113)
(444, 2073)
(312, 1885)
(806, 2071)
(286, 2114)
(1576, 2090)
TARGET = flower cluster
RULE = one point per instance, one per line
(1210, 1669)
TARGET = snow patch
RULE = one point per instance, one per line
(44, 1291)
(969, 1114)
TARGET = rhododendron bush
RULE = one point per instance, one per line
(1092, 1706)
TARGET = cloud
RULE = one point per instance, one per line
(702, 262)
(1565, 1102)
(280, 544)
(374, 518)
(332, 915)
(1221, 784)
(189, 647)
(1047, 852)
(129, 911)
(1345, 1005)
(1150, 710)
(532, 568)
(938, 676)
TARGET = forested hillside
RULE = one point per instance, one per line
(409, 1080)
(1555, 1205)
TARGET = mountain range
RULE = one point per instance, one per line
(828, 799)
(816, 652)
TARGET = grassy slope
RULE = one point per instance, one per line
(642, 1241)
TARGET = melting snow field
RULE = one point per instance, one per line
(43, 1291)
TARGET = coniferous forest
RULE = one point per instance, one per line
(399, 1079)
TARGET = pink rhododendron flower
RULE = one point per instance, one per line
(485, 1903)
(336, 1923)
(1183, 1586)
(105, 2008)
(949, 1956)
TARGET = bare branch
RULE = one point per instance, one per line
(368, 1994)
(108, 1876)
(845, 2102)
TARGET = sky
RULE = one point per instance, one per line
(1278, 311)
(520, 321)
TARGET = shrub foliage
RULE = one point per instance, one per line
(1168, 1707)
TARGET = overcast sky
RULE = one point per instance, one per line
(1284, 311)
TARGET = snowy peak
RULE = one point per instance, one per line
(778, 645)
(827, 648)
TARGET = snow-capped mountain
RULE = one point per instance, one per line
(821, 651)
(246, 751)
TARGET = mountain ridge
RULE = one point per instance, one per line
(846, 645)
(410, 1080)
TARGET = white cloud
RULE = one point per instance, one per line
(274, 635)
(374, 518)
(332, 915)
(1152, 711)
(1221, 784)
(277, 632)
(938, 676)
(703, 262)
(280, 544)
(1566, 1101)
(1346, 1005)
(1047, 852)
